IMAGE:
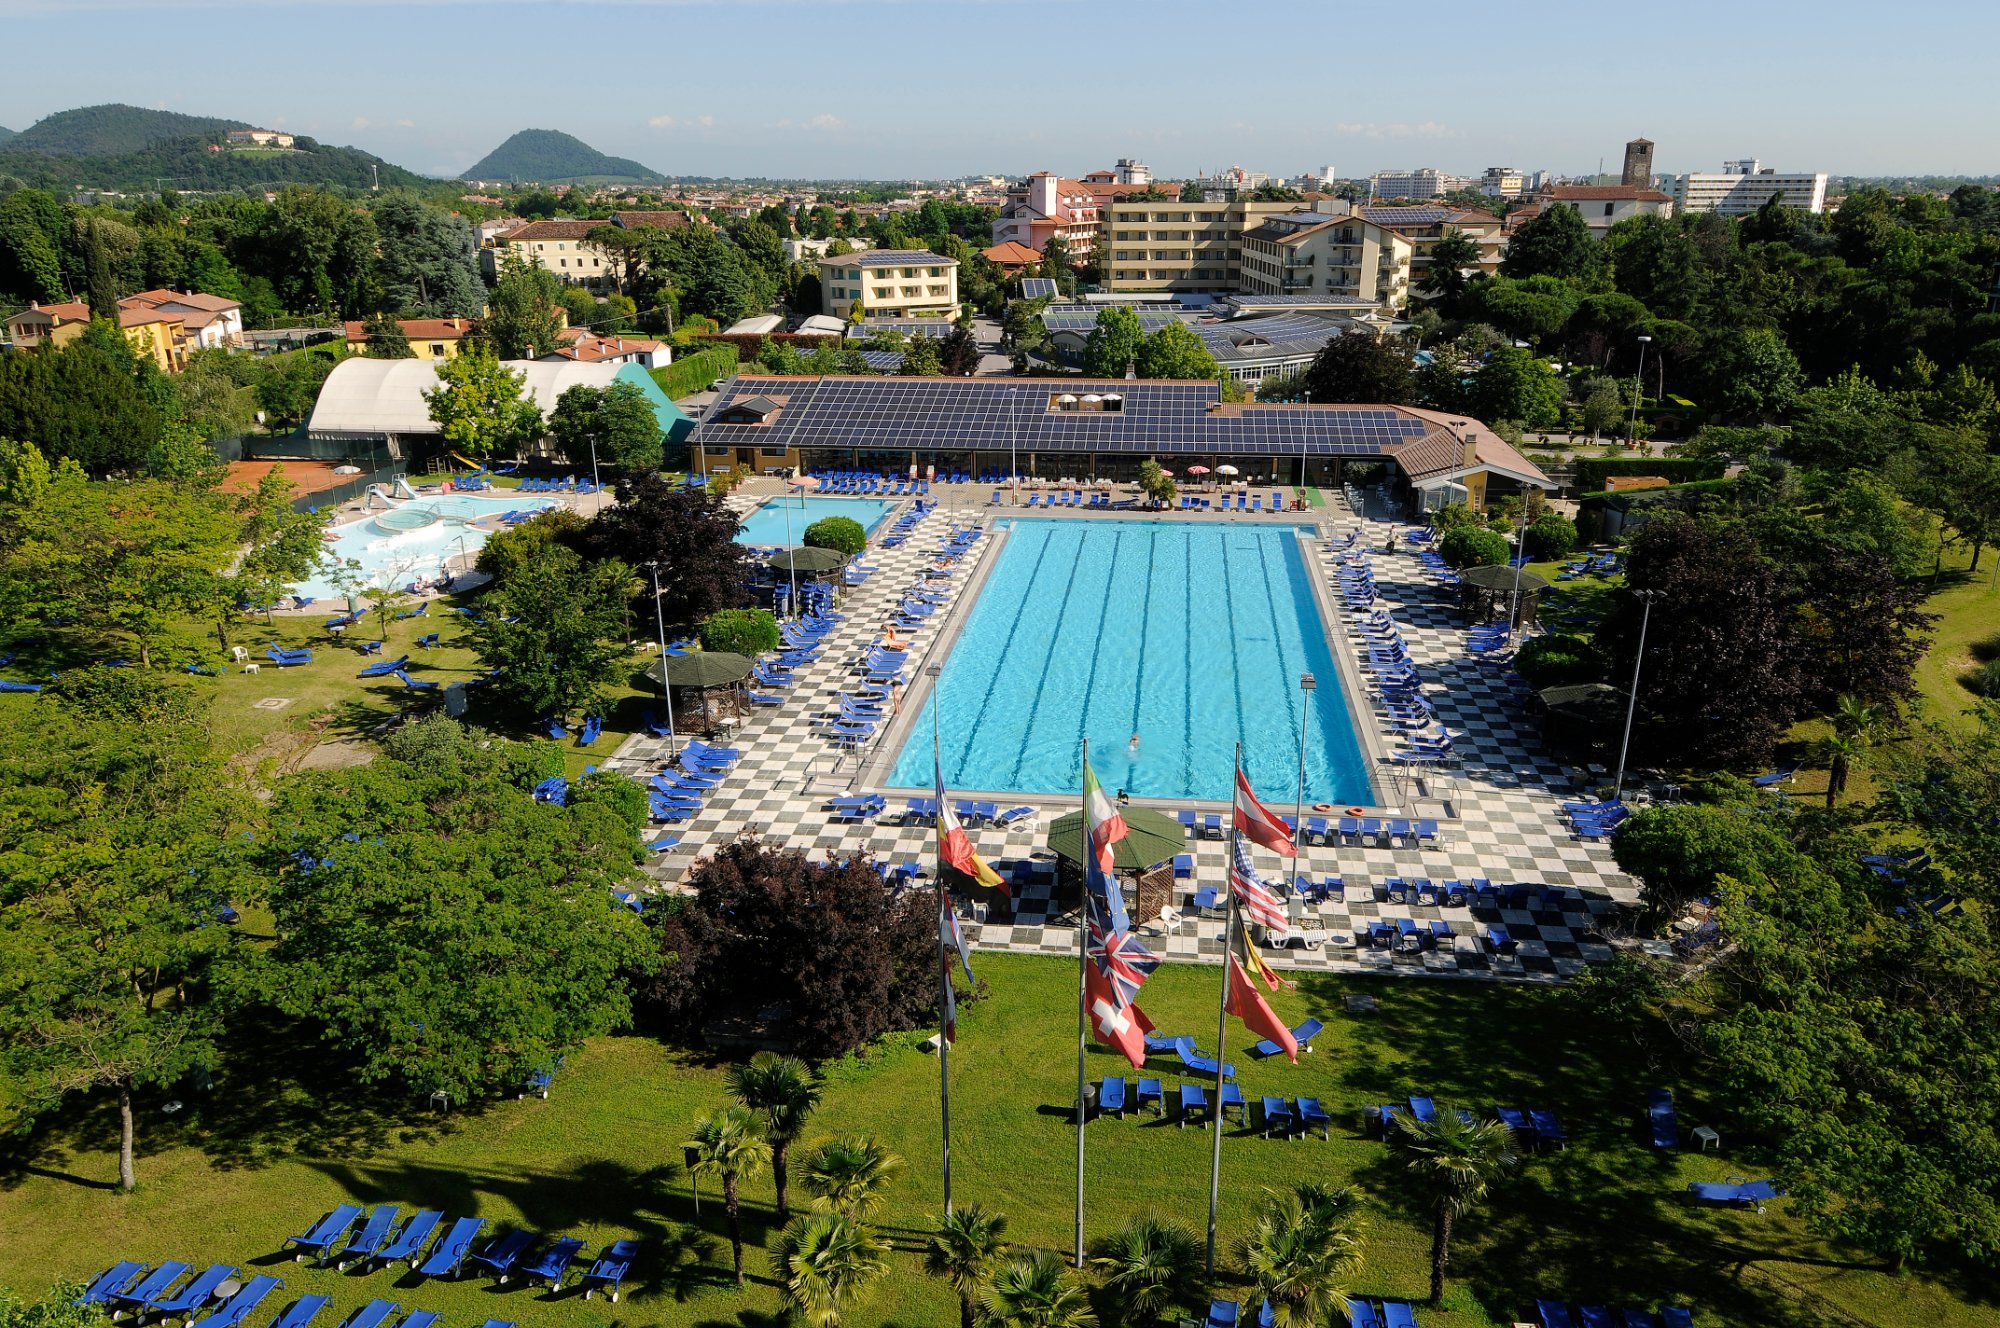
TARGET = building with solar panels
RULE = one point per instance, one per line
(1080, 428)
(1249, 348)
(889, 283)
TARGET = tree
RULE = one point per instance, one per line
(1456, 1162)
(555, 631)
(787, 1091)
(1681, 851)
(690, 533)
(1553, 243)
(290, 387)
(1473, 546)
(1034, 1291)
(827, 945)
(278, 548)
(411, 894)
(963, 1253)
(522, 319)
(1301, 1251)
(849, 1175)
(1446, 279)
(1514, 385)
(119, 849)
(481, 406)
(1532, 309)
(958, 353)
(317, 251)
(429, 260)
(1855, 724)
(102, 287)
(1058, 266)
(749, 632)
(839, 533)
(1602, 407)
(1150, 1266)
(1550, 536)
(1359, 368)
(1156, 484)
(824, 1264)
(730, 1143)
(1174, 351)
(31, 226)
(386, 339)
(83, 401)
(616, 423)
(921, 358)
(1113, 343)
(508, 551)
(1748, 373)
(1657, 263)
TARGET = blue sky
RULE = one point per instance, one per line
(927, 88)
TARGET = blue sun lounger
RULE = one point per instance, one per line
(370, 1237)
(1548, 1129)
(1194, 1105)
(1222, 1314)
(1278, 1115)
(421, 1319)
(1514, 1119)
(240, 1306)
(1311, 1114)
(1303, 1035)
(406, 1246)
(1360, 1314)
(1660, 1113)
(553, 1265)
(1553, 1314)
(1149, 1090)
(608, 1273)
(1673, 1316)
(1641, 1319)
(449, 1253)
(329, 1229)
(195, 1295)
(372, 1315)
(1423, 1109)
(1398, 1314)
(503, 1252)
(1736, 1191)
(1111, 1096)
(1595, 1316)
(153, 1286)
(302, 1312)
(110, 1282)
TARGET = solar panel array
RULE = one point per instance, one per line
(883, 361)
(897, 258)
(992, 414)
(1149, 319)
(1035, 288)
(935, 328)
(1287, 301)
(1407, 216)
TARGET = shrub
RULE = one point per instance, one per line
(692, 373)
(748, 632)
(1550, 536)
(840, 533)
(1985, 680)
(1557, 661)
(1453, 515)
(1591, 472)
(1471, 546)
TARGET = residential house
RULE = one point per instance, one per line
(48, 324)
(889, 283)
(430, 338)
(1603, 206)
(558, 247)
(1010, 257)
(1424, 225)
(581, 347)
(1045, 206)
(212, 321)
(258, 138)
(158, 335)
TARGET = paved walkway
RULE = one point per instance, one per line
(1499, 808)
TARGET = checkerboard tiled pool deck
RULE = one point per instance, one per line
(1498, 807)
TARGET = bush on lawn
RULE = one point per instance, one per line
(748, 632)
(1471, 546)
(1550, 536)
(839, 533)
(1557, 660)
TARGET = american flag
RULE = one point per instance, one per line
(1260, 903)
(1123, 960)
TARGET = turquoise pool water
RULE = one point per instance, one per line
(395, 547)
(1191, 636)
(766, 525)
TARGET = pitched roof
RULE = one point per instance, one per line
(66, 311)
(667, 219)
(214, 304)
(1011, 251)
(1603, 193)
(590, 348)
(142, 317)
(419, 329)
(893, 258)
(552, 230)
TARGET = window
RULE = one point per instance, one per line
(1607, 209)
(773, 452)
(437, 350)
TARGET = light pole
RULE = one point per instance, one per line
(1014, 442)
(1307, 684)
(666, 688)
(596, 484)
(1638, 388)
(1632, 701)
(1520, 556)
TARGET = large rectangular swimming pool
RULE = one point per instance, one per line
(766, 525)
(1189, 636)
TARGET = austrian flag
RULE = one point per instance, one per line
(1257, 821)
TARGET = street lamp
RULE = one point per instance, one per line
(1307, 684)
(666, 688)
(596, 484)
(1014, 442)
(1632, 701)
(1520, 557)
(791, 565)
(1638, 387)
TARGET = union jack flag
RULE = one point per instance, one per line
(1124, 961)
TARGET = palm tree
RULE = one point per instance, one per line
(1033, 1291)
(824, 1263)
(964, 1252)
(730, 1144)
(1302, 1249)
(1148, 1265)
(1854, 725)
(785, 1089)
(1456, 1161)
(847, 1175)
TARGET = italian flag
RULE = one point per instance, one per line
(1106, 826)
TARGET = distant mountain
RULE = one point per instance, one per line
(129, 148)
(114, 130)
(5, 134)
(549, 156)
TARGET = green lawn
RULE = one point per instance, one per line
(257, 1161)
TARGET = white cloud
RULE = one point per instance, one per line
(1370, 129)
(662, 122)
(704, 121)
(826, 121)
(360, 122)
(406, 124)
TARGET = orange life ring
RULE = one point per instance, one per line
(1355, 811)
(1322, 806)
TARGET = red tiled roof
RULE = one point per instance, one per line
(589, 348)
(668, 219)
(419, 329)
(1011, 252)
(552, 230)
(67, 311)
(215, 304)
(1603, 193)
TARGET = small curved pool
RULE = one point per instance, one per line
(412, 539)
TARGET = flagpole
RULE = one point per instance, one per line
(1082, 1017)
(944, 971)
(1222, 1027)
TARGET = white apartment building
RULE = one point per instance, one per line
(1741, 187)
(1160, 245)
(1326, 253)
(805, 249)
(558, 247)
(1503, 182)
(1603, 206)
(1424, 182)
(889, 283)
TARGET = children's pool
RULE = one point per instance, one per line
(414, 538)
(1189, 636)
(766, 525)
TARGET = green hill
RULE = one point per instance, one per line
(114, 130)
(549, 156)
(5, 134)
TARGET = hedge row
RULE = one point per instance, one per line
(692, 373)
(1591, 472)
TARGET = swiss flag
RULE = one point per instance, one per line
(1247, 1004)
(1115, 1023)
(1256, 820)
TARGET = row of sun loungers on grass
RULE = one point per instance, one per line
(567, 484)
(1604, 564)
(431, 1249)
(1555, 1314)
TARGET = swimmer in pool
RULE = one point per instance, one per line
(1132, 747)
